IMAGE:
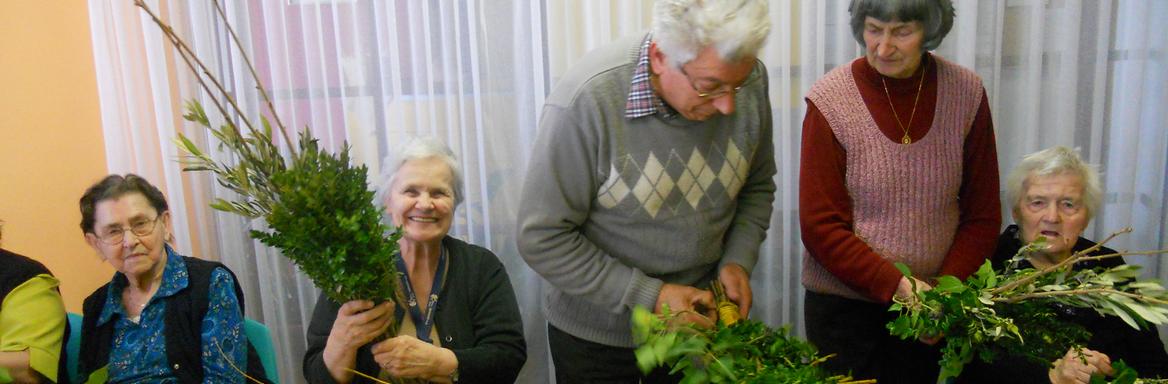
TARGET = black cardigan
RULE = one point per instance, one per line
(478, 318)
(1140, 349)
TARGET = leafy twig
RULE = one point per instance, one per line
(992, 313)
(1079, 292)
(1068, 261)
(746, 352)
(317, 204)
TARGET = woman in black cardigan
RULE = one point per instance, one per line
(462, 323)
(1055, 195)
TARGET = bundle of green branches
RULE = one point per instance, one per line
(316, 204)
(993, 314)
(747, 351)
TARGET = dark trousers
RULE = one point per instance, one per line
(581, 361)
(855, 331)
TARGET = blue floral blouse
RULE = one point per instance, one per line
(139, 349)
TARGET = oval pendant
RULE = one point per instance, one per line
(906, 140)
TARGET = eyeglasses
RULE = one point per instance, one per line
(140, 228)
(716, 92)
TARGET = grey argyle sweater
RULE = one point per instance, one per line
(612, 208)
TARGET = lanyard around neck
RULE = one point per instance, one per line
(422, 324)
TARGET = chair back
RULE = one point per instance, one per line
(261, 339)
(72, 348)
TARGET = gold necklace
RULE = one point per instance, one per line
(906, 139)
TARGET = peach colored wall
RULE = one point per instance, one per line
(51, 145)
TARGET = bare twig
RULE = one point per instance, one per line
(232, 364)
(193, 61)
(259, 85)
(1125, 253)
(367, 376)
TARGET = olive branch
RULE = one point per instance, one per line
(1009, 311)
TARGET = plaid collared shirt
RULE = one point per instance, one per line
(642, 100)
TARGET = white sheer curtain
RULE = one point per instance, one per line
(1090, 74)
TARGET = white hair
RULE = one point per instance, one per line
(416, 149)
(1054, 161)
(736, 29)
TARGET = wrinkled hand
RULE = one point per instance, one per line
(1072, 368)
(408, 357)
(359, 322)
(737, 284)
(904, 290)
(688, 302)
(905, 293)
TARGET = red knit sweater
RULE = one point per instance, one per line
(826, 208)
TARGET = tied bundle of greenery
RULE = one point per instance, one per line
(733, 351)
(316, 204)
(993, 314)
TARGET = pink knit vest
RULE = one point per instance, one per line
(904, 197)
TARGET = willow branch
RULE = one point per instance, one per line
(254, 76)
(1076, 292)
(192, 60)
(1068, 261)
(1118, 254)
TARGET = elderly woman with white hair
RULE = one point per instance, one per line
(898, 164)
(462, 321)
(1055, 194)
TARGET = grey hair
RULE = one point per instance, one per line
(737, 29)
(417, 149)
(1054, 161)
(935, 15)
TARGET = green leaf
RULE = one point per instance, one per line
(903, 268)
(949, 284)
(645, 359)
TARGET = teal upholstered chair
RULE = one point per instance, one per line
(72, 348)
(261, 339)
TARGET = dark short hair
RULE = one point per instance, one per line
(115, 186)
(936, 15)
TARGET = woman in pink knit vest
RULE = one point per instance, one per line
(898, 165)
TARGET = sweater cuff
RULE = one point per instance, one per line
(642, 290)
(886, 283)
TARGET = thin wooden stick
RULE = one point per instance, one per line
(366, 376)
(192, 61)
(1125, 253)
(254, 76)
(228, 360)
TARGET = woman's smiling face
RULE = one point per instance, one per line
(421, 199)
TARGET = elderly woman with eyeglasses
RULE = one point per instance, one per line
(462, 321)
(163, 317)
(1054, 195)
(898, 165)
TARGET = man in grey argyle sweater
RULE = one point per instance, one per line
(651, 176)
